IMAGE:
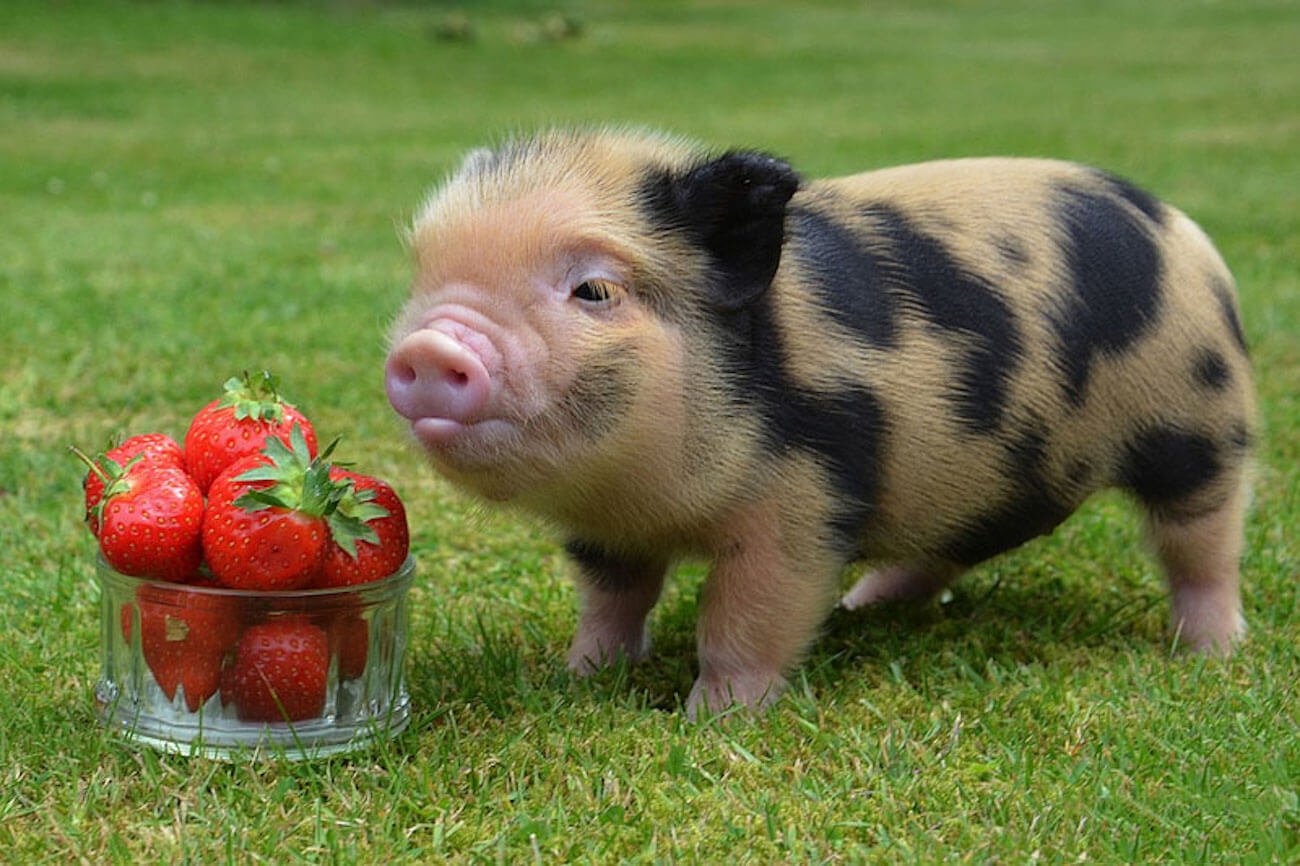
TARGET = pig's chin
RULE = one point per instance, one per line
(481, 457)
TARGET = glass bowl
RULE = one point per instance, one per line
(221, 672)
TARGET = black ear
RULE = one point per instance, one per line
(734, 207)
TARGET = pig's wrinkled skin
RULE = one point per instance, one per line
(666, 353)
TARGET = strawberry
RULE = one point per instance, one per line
(270, 517)
(349, 635)
(237, 424)
(184, 637)
(350, 560)
(153, 449)
(279, 672)
(150, 521)
(350, 640)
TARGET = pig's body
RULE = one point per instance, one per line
(921, 366)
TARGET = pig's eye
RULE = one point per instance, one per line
(595, 291)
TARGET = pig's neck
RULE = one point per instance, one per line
(675, 500)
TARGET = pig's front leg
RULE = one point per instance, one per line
(770, 590)
(617, 594)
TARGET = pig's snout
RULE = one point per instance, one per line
(434, 374)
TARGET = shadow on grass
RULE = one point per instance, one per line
(1009, 621)
(1013, 619)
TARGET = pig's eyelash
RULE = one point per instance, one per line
(595, 291)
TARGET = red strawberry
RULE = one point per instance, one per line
(279, 672)
(184, 637)
(197, 677)
(150, 523)
(270, 516)
(153, 449)
(377, 554)
(237, 424)
(349, 636)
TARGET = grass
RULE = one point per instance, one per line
(191, 188)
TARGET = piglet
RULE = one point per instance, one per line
(667, 352)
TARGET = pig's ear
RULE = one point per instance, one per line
(734, 207)
(475, 162)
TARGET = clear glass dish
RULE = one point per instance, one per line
(164, 638)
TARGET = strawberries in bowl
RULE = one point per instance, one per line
(217, 564)
(276, 516)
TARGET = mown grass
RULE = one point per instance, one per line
(187, 189)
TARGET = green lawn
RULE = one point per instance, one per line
(189, 189)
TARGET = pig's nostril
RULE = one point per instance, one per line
(457, 378)
(403, 374)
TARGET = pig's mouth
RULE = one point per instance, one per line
(453, 438)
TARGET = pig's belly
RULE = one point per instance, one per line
(964, 499)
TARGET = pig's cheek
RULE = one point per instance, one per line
(532, 376)
(509, 383)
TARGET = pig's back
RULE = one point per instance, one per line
(1030, 331)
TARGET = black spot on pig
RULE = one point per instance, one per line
(1030, 511)
(1144, 201)
(845, 429)
(1114, 269)
(843, 275)
(1211, 370)
(1012, 250)
(842, 429)
(919, 269)
(603, 569)
(1228, 307)
(1164, 465)
(601, 394)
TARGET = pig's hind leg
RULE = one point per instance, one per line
(1200, 556)
(913, 582)
(617, 594)
(1193, 484)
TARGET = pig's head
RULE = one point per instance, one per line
(557, 344)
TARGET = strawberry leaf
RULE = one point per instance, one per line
(260, 473)
(254, 397)
(358, 503)
(347, 531)
(320, 494)
(350, 521)
(109, 471)
(260, 500)
(299, 482)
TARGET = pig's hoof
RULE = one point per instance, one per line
(589, 655)
(712, 695)
(895, 583)
(1207, 619)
